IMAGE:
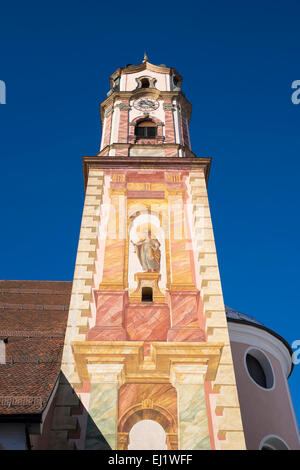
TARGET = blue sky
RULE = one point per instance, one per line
(238, 62)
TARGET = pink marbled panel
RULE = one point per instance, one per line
(110, 307)
(184, 307)
(110, 317)
(145, 176)
(147, 322)
(107, 333)
(186, 333)
(184, 312)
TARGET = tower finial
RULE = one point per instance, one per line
(145, 57)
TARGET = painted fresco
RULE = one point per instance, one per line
(144, 381)
(147, 347)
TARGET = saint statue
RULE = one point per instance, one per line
(148, 253)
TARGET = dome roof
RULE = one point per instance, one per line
(235, 315)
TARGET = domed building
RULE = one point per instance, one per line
(138, 351)
(263, 363)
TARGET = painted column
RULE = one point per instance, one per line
(102, 426)
(193, 431)
(123, 440)
(169, 122)
(183, 295)
(123, 129)
(111, 296)
(181, 272)
(115, 244)
(107, 129)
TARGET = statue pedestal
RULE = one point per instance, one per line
(147, 280)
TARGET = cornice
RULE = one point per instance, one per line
(129, 146)
(153, 92)
(146, 66)
(166, 163)
(170, 361)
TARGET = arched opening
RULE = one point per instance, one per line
(147, 435)
(145, 83)
(147, 411)
(175, 80)
(147, 294)
(273, 443)
(146, 129)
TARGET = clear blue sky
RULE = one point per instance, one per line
(238, 61)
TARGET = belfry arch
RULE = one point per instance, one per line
(156, 413)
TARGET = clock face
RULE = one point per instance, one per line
(146, 104)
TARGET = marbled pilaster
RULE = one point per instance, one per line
(103, 410)
(193, 431)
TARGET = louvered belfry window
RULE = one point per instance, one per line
(146, 129)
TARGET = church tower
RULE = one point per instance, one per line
(147, 343)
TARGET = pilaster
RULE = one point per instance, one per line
(188, 379)
(114, 256)
(102, 427)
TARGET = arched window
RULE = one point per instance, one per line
(146, 129)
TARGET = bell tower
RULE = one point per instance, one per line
(145, 107)
(147, 338)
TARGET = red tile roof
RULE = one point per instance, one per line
(33, 317)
